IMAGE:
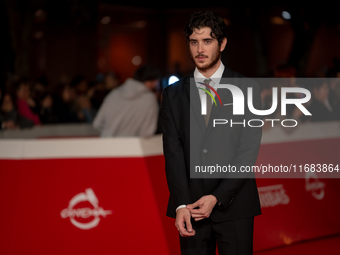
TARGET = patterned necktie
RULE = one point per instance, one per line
(209, 102)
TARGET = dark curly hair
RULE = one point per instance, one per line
(206, 19)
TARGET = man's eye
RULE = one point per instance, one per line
(193, 43)
(207, 41)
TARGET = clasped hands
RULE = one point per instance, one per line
(183, 216)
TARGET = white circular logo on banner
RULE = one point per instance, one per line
(316, 187)
(86, 212)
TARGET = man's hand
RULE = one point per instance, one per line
(205, 204)
(183, 223)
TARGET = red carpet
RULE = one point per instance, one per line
(328, 245)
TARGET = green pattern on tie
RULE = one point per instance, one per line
(209, 103)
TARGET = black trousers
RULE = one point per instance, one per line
(232, 237)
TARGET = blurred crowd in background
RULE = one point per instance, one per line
(26, 103)
(75, 53)
(325, 94)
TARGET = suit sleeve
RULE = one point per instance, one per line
(246, 155)
(175, 165)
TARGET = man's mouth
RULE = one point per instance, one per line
(201, 57)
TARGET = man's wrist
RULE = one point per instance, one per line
(218, 203)
(181, 206)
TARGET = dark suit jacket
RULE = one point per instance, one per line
(186, 139)
(321, 113)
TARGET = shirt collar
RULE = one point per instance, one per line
(216, 77)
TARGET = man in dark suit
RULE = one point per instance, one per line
(217, 207)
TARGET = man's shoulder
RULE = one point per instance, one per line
(177, 86)
(241, 80)
(233, 73)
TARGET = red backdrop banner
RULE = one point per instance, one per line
(117, 205)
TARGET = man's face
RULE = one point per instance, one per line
(204, 49)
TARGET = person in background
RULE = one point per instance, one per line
(80, 84)
(132, 108)
(85, 111)
(9, 116)
(266, 97)
(103, 85)
(63, 106)
(25, 102)
(334, 93)
(111, 81)
(287, 75)
(320, 108)
(97, 94)
(1, 93)
(39, 88)
(46, 109)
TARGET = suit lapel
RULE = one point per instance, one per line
(227, 78)
(195, 102)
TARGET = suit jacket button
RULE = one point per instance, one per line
(205, 150)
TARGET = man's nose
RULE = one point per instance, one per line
(200, 48)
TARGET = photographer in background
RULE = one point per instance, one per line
(132, 108)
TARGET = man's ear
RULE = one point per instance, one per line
(223, 44)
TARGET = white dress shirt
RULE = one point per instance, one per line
(216, 78)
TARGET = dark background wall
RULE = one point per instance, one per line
(66, 38)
